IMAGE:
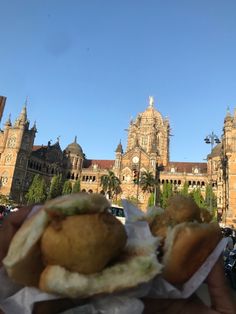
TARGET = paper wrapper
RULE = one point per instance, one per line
(20, 300)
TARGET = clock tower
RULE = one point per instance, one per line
(147, 148)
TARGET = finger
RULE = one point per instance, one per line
(9, 227)
(219, 290)
(6, 234)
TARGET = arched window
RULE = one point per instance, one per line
(4, 178)
(12, 142)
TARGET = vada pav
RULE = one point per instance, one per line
(188, 236)
(74, 247)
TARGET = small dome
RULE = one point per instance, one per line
(74, 148)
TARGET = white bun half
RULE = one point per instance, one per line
(23, 261)
(129, 273)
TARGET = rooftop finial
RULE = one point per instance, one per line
(228, 112)
(26, 101)
(75, 141)
(151, 101)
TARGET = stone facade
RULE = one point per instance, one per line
(147, 150)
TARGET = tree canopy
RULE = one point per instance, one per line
(147, 182)
(67, 187)
(76, 187)
(56, 187)
(110, 184)
(37, 192)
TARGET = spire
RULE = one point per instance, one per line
(34, 128)
(8, 122)
(75, 140)
(22, 119)
(119, 148)
(23, 114)
(228, 116)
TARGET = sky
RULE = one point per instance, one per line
(87, 67)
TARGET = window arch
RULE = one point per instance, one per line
(12, 141)
(4, 178)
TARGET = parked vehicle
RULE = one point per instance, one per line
(118, 212)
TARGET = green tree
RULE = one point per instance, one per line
(151, 200)
(111, 184)
(197, 196)
(67, 187)
(5, 200)
(76, 187)
(56, 187)
(210, 202)
(167, 191)
(37, 192)
(184, 190)
(147, 182)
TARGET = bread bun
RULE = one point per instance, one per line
(33, 259)
(188, 236)
(186, 247)
(183, 208)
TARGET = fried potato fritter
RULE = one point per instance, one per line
(83, 243)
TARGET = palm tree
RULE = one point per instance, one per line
(147, 182)
(110, 184)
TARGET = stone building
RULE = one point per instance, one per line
(147, 149)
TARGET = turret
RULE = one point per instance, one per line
(119, 153)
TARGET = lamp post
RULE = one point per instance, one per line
(211, 139)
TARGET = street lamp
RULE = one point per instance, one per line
(211, 139)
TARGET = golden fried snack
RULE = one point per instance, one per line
(83, 243)
(183, 208)
(159, 225)
(205, 214)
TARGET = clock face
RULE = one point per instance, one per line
(135, 159)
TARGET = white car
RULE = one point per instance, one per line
(118, 212)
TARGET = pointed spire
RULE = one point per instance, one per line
(228, 115)
(119, 148)
(22, 119)
(34, 128)
(75, 140)
(8, 122)
(26, 101)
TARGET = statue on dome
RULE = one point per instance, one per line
(151, 101)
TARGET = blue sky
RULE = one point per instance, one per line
(88, 66)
